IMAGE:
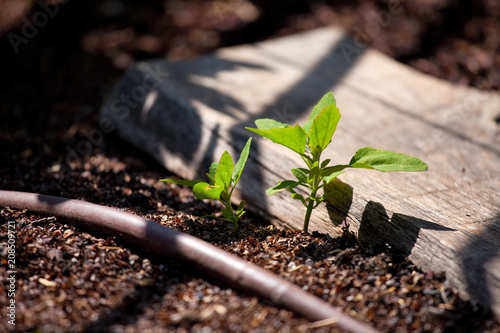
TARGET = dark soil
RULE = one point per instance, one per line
(70, 281)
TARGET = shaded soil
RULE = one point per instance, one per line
(69, 280)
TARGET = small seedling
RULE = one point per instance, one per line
(222, 175)
(310, 140)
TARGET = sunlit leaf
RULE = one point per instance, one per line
(301, 175)
(290, 184)
(213, 169)
(241, 206)
(385, 161)
(325, 163)
(322, 129)
(293, 138)
(327, 179)
(325, 101)
(212, 179)
(299, 197)
(182, 181)
(224, 173)
(238, 169)
(266, 123)
(204, 190)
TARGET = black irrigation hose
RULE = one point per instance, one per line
(239, 273)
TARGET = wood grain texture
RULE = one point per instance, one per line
(448, 218)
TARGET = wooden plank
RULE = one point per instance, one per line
(187, 113)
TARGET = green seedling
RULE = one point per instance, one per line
(223, 177)
(310, 140)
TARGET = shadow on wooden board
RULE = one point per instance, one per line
(339, 203)
(377, 230)
(188, 74)
(479, 253)
(141, 101)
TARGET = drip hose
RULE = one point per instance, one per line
(201, 255)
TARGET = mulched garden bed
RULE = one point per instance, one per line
(69, 280)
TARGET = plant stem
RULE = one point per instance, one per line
(226, 201)
(310, 205)
(308, 214)
(234, 218)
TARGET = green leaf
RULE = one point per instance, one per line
(385, 161)
(333, 169)
(325, 163)
(293, 138)
(228, 214)
(299, 197)
(313, 171)
(224, 173)
(325, 101)
(326, 195)
(301, 175)
(204, 190)
(267, 123)
(212, 179)
(238, 169)
(322, 129)
(182, 181)
(285, 184)
(240, 211)
(304, 170)
(241, 206)
(213, 169)
(331, 176)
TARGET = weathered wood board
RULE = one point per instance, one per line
(448, 218)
